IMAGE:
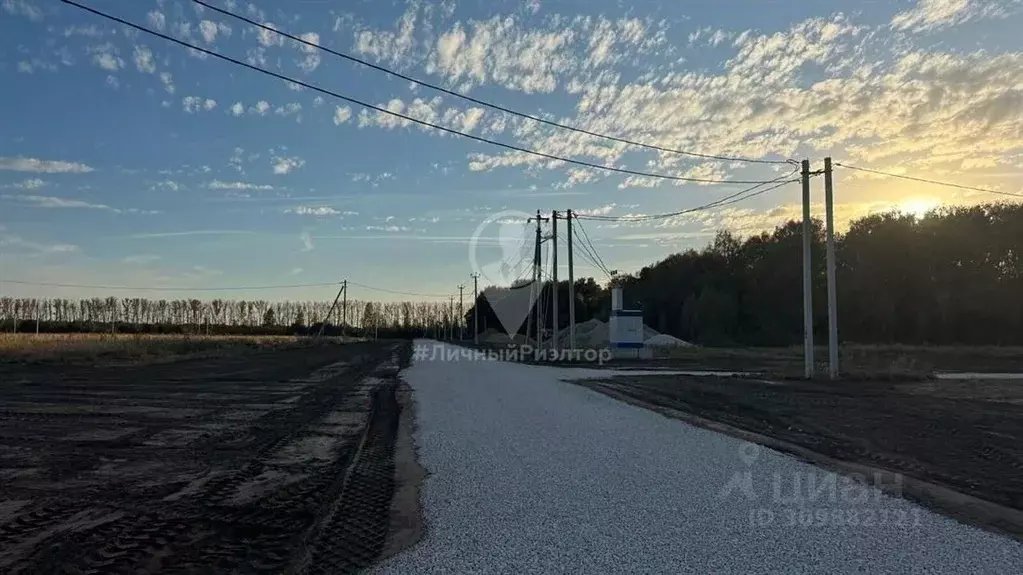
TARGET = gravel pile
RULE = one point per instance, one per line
(594, 334)
(528, 474)
(666, 341)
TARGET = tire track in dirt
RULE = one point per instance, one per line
(253, 495)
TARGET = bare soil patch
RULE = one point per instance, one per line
(958, 445)
(240, 463)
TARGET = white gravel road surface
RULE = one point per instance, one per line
(530, 474)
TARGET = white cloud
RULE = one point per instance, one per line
(156, 20)
(260, 108)
(168, 185)
(219, 185)
(313, 211)
(930, 15)
(21, 164)
(318, 101)
(113, 82)
(30, 66)
(23, 8)
(55, 202)
(268, 38)
(90, 31)
(425, 110)
(311, 60)
(208, 29)
(288, 109)
(285, 165)
(144, 60)
(191, 104)
(307, 241)
(504, 51)
(392, 47)
(295, 271)
(341, 115)
(237, 109)
(105, 56)
(168, 82)
(601, 211)
(32, 184)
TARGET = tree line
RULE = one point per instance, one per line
(221, 316)
(952, 276)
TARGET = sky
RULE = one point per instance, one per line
(127, 160)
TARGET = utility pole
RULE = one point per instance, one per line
(537, 279)
(461, 312)
(554, 276)
(451, 313)
(807, 277)
(326, 318)
(476, 309)
(571, 284)
(829, 207)
(344, 308)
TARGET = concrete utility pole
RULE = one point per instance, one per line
(326, 318)
(537, 279)
(571, 284)
(829, 207)
(344, 307)
(807, 277)
(476, 308)
(554, 275)
(461, 312)
(451, 313)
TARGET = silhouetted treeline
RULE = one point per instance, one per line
(952, 276)
(224, 317)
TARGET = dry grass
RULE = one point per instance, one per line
(130, 348)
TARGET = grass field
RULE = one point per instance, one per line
(131, 348)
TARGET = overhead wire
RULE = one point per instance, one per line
(372, 288)
(399, 115)
(591, 250)
(739, 196)
(927, 181)
(474, 100)
(168, 288)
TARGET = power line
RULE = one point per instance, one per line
(589, 248)
(167, 288)
(926, 181)
(399, 115)
(468, 98)
(727, 200)
(589, 258)
(371, 288)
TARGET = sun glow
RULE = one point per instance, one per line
(918, 206)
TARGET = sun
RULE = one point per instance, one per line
(918, 207)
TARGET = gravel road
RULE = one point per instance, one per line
(531, 474)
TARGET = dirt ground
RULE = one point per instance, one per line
(271, 461)
(958, 445)
(855, 360)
